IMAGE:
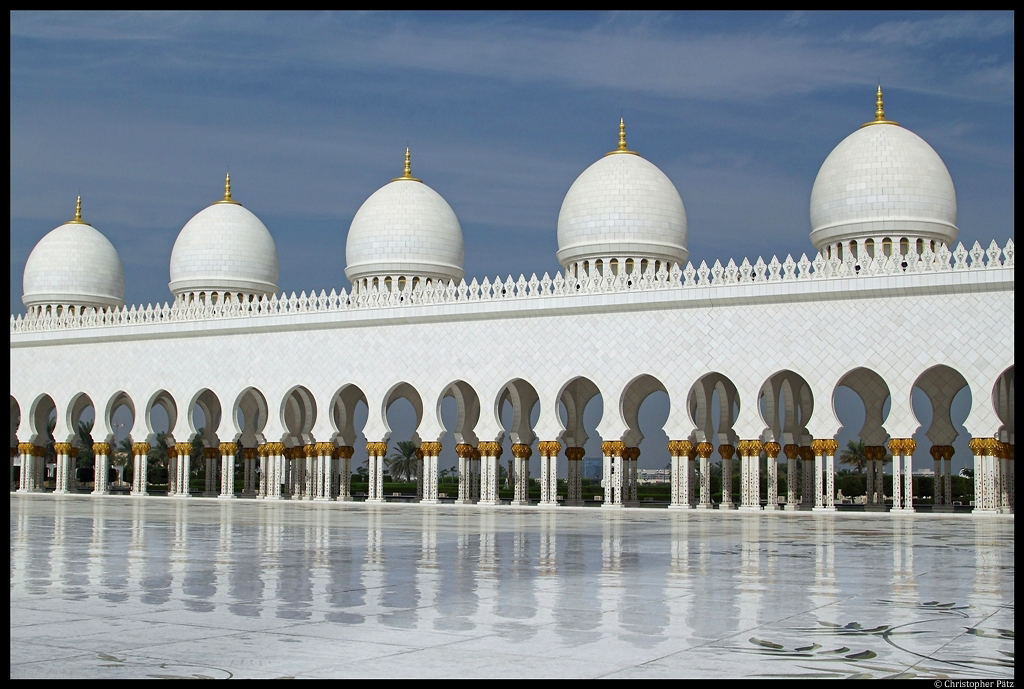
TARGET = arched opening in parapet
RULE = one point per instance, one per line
(402, 412)
(645, 408)
(941, 401)
(349, 412)
(713, 404)
(517, 409)
(458, 408)
(298, 416)
(120, 418)
(250, 418)
(580, 409)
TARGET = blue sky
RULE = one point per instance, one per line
(143, 113)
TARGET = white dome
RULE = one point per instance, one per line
(224, 248)
(73, 264)
(882, 181)
(405, 229)
(622, 206)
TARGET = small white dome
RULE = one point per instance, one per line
(882, 181)
(224, 248)
(73, 265)
(622, 206)
(405, 229)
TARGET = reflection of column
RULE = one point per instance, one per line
(184, 468)
(750, 475)
(489, 452)
(548, 471)
(680, 489)
(726, 451)
(521, 453)
(375, 464)
(101, 455)
(227, 470)
(792, 454)
(60, 474)
(574, 482)
(772, 451)
(612, 451)
(824, 486)
(344, 454)
(430, 475)
(704, 451)
(211, 454)
(465, 454)
(140, 473)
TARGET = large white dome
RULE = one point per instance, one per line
(882, 181)
(224, 248)
(405, 229)
(622, 206)
(73, 265)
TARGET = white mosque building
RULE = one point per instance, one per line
(748, 353)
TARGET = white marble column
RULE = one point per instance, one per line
(344, 454)
(101, 473)
(574, 477)
(213, 458)
(249, 458)
(140, 469)
(612, 451)
(908, 474)
(772, 450)
(704, 451)
(630, 476)
(60, 474)
(678, 452)
(824, 481)
(227, 470)
(521, 493)
(474, 476)
(896, 448)
(726, 451)
(375, 463)
(184, 469)
(792, 476)
(489, 453)
(465, 455)
(750, 475)
(549, 472)
(430, 473)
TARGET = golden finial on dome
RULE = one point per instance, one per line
(227, 190)
(78, 213)
(622, 139)
(407, 173)
(879, 110)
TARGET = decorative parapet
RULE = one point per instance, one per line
(61, 317)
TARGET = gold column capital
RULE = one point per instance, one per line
(275, 448)
(250, 452)
(613, 448)
(772, 449)
(489, 448)
(631, 453)
(909, 445)
(727, 451)
(181, 449)
(978, 446)
(476, 454)
(431, 448)
(139, 449)
(575, 453)
(806, 453)
(103, 448)
(230, 449)
(464, 450)
(62, 448)
(345, 451)
(704, 450)
(376, 449)
(521, 451)
(792, 451)
(679, 448)
(896, 446)
(874, 452)
(320, 449)
(40, 451)
(419, 453)
(936, 452)
(549, 448)
(211, 452)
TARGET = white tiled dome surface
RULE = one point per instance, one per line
(622, 205)
(405, 228)
(224, 247)
(73, 264)
(882, 180)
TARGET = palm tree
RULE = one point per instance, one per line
(854, 455)
(403, 462)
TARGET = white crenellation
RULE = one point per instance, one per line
(823, 267)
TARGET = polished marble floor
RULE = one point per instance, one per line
(158, 587)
